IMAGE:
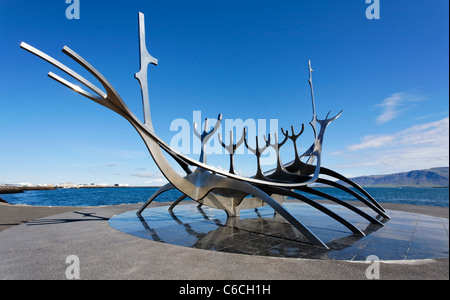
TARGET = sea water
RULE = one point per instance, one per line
(125, 195)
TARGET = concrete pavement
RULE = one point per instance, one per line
(38, 250)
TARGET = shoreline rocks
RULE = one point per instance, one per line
(11, 189)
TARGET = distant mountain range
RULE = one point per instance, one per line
(434, 177)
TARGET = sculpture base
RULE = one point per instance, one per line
(262, 232)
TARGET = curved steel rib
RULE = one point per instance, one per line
(341, 202)
(316, 205)
(161, 190)
(181, 198)
(357, 196)
(336, 175)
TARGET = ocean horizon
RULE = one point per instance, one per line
(426, 196)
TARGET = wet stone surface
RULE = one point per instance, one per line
(263, 232)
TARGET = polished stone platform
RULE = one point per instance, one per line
(262, 232)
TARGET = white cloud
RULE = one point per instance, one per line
(148, 175)
(156, 181)
(372, 141)
(109, 165)
(441, 114)
(395, 104)
(336, 153)
(155, 178)
(418, 147)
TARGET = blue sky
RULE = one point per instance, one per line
(244, 59)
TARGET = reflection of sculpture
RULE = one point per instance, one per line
(213, 186)
(265, 233)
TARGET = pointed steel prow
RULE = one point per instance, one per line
(145, 59)
(62, 67)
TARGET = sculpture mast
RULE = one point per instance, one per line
(145, 59)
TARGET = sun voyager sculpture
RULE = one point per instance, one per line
(215, 187)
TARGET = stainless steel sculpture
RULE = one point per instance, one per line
(213, 186)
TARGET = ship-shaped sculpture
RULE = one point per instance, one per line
(213, 186)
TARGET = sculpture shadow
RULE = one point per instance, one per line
(88, 217)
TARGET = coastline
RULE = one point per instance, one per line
(11, 189)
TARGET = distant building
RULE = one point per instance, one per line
(68, 185)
